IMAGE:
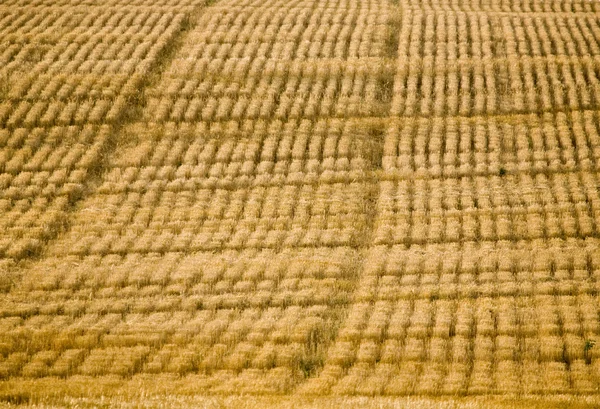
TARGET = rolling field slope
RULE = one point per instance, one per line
(308, 203)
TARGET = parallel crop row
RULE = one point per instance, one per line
(251, 184)
(42, 173)
(457, 271)
(177, 314)
(240, 153)
(488, 208)
(231, 279)
(338, 196)
(228, 340)
(213, 89)
(204, 219)
(486, 329)
(103, 81)
(83, 68)
(449, 36)
(441, 319)
(89, 76)
(538, 36)
(479, 87)
(219, 243)
(87, 5)
(420, 377)
(534, 143)
(528, 6)
(266, 63)
(56, 113)
(49, 27)
(298, 33)
(27, 152)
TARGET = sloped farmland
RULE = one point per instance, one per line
(315, 203)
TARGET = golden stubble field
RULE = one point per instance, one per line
(307, 203)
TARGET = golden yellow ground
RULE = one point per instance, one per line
(308, 203)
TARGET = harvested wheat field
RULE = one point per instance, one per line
(300, 203)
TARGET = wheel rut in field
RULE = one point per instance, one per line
(338, 358)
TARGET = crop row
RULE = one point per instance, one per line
(304, 4)
(44, 164)
(87, 5)
(230, 340)
(221, 327)
(466, 5)
(257, 141)
(100, 84)
(449, 36)
(305, 33)
(274, 216)
(231, 176)
(226, 311)
(87, 65)
(151, 299)
(19, 84)
(57, 113)
(83, 48)
(215, 90)
(479, 146)
(551, 37)
(180, 274)
(548, 6)
(27, 224)
(435, 271)
(454, 318)
(258, 279)
(170, 337)
(428, 87)
(251, 148)
(42, 174)
(457, 271)
(48, 81)
(264, 63)
(549, 330)
(224, 164)
(451, 344)
(457, 378)
(20, 25)
(196, 77)
(528, 328)
(90, 75)
(488, 208)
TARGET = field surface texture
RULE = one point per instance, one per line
(300, 203)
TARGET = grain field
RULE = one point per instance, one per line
(306, 203)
